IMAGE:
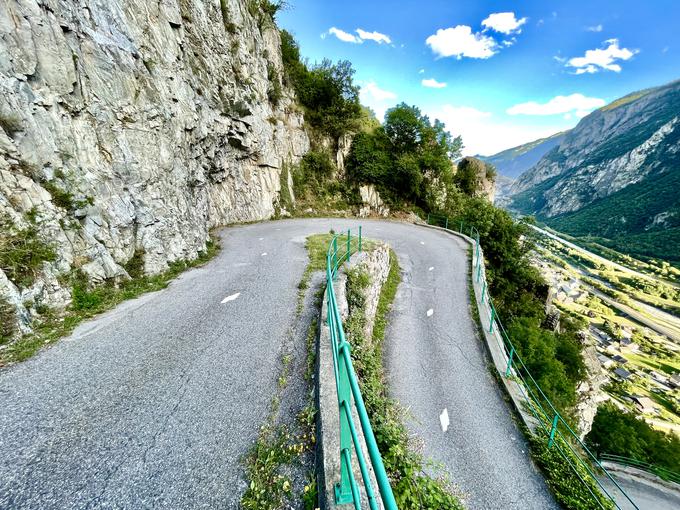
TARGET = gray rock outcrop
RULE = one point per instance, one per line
(130, 126)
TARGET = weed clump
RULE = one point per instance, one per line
(23, 251)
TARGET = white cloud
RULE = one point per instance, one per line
(344, 36)
(602, 58)
(377, 99)
(504, 22)
(460, 42)
(421, 71)
(433, 84)
(578, 104)
(362, 36)
(484, 134)
(373, 36)
(595, 28)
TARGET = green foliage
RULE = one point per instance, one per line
(563, 481)
(23, 251)
(275, 92)
(413, 487)
(135, 266)
(621, 433)
(553, 360)
(407, 159)
(60, 198)
(268, 489)
(326, 90)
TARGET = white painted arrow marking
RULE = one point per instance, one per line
(430, 312)
(231, 298)
(444, 420)
(264, 254)
(431, 268)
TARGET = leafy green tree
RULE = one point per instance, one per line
(370, 158)
(621, 433)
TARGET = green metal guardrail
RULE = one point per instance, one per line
(559, 432)
(347, 490)
(661, 472)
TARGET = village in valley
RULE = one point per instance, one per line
(632, 339)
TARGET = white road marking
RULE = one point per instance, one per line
(231, 298)
(444, 420)
(261, 238)
(264, 254)
(431, 268)
(430, 312)
(422, 242)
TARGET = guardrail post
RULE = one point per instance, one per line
(479, 272)
(461, 228)
(507, 370)
(349, 247)
(335, 255)
(493, 316)
(483, 291)
(359, 238)
(447, 223)
(428, 218)
(553, 430)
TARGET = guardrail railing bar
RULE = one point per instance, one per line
(348, 388)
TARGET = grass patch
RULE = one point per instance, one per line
(89, 301)
(412, 487)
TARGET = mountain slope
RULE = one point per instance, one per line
(614, 176)
(513, 162)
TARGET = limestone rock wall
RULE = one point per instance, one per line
(137, 125)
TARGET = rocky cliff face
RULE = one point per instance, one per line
(614, 177)
(136, 126)
(610, 149)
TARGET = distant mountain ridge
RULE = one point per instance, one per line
(615, 176)
(513, 162)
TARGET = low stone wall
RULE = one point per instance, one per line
(377, 265)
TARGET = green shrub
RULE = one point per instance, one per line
(60, 198)
(621, 433)
(135, 266)
(23, 251)
(275, 92)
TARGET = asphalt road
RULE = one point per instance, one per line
(153, 404)
(436, 362)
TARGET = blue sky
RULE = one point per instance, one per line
(497, 73)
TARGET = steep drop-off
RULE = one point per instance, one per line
(131, 127)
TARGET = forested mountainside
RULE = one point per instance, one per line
(614, 177)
